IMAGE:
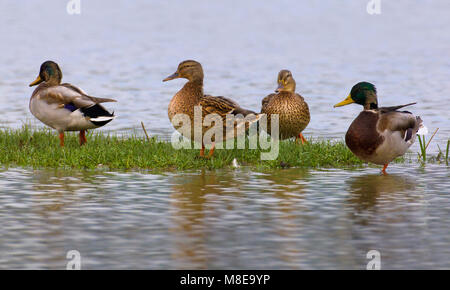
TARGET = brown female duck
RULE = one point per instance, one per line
(291, 108)
(191, 95)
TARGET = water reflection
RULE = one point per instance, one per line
(188, 202)
(367, 190)
(54, 194)
(230, 219)
(389, 214)
(374, 194)
(201, 200)
(56, 188)
(284, 181)
(287, 188)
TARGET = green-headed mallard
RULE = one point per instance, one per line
(191, 95)
(291, 108)
(379, 135)
(65, 107)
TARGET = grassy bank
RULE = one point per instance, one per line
(40, 149)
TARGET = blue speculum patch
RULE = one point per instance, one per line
(71, 107)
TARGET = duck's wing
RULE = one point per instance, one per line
(73, 99)
(402, 121)
(78, 96)
(228, 101)
(67, 94)
(394, 108)
(266, 101)
(237, 109)
(221, 106)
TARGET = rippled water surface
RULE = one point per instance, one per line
(289, 219)
(282, 219)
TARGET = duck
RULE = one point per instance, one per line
(379, 134)
(191, 96)
(65, 107)
(291, 108)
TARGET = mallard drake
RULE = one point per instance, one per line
(291, 108)
(65, 107)
(379, 135)
(191, 95)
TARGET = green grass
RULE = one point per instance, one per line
(446, 151)
(423, 145)
(423, 156)
(40, 149)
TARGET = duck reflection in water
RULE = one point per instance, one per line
(207, 208)
(191, 204)
(367, 191)
(287, 187)
(57, 188)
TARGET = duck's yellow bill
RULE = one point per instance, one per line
(347, 101)
(37, 81)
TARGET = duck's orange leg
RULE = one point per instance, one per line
(384, 168)
(202, 151)
(300, 136)
(83, 139)
(303, 139)
(211, 151)
(61, 139)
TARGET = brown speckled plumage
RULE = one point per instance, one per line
(192, 95)
(292, 109)
(185, 99)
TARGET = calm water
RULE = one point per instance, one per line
(231, 218)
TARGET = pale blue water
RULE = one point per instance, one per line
(282, 219)
(228, 219)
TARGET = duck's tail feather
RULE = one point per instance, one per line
(101, 100)
(421, 128)
(248, 121)
(98, 115)
(394, 108)
(418, 129)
